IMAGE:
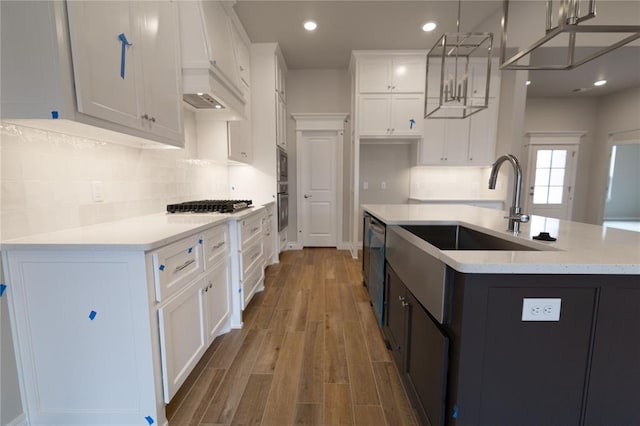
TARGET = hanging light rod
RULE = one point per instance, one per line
(568, 20)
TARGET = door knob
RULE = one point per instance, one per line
(307, 196)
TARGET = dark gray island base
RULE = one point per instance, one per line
(488, 328)
(500, 370)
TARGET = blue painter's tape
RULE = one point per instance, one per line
(239, 290)
(412, 122)
(455, 412)
(92, 315)
(3, 287)
(149, 420)
(200, 241)
(190, 250)
(125, 43)
(161, 267)
(54, 115)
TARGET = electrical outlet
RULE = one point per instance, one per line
(96, 191)
(541, 309)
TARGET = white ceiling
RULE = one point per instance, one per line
(345, 25)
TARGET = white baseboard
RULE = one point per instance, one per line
(21, 420)
(344, 245)
(293, 245)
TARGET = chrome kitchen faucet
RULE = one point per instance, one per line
(515, 216)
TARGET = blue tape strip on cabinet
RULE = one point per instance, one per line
(125, 43)
(200, 241)
(149, 420)
(411, 123)
(54, 115)
(190, 250)
(455, 412)
(3, 287)
(161, 267)
(92, 315)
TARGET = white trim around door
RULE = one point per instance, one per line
(313, 124)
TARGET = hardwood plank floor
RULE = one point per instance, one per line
(310, 353)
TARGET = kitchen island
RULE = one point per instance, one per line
(109, 320)
(527, 332)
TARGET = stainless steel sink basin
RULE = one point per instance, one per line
(456, 237)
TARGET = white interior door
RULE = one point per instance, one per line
(318, 185)
(551, 180)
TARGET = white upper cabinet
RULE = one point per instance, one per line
(105, 70)
(390, 94)
(243, 54)
(220, 44)
(398, 74)
(239, 135)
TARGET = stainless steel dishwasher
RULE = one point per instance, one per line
(373, 262)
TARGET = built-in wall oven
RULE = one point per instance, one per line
(283, 189)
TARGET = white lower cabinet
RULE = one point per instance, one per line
(182, 335)
(119, 330)
(251, 260)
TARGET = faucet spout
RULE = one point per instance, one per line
(515, 216)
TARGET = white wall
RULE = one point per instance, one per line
(457, 183)
(568, 114)
(600, 118)
(315, 91)
(616, 113)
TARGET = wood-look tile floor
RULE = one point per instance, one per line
(310, 353)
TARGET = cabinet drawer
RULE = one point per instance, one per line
(250, 284)
(249, 230)
(175, 265)
(250, 257)
(215, 244)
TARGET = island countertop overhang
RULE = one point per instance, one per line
(580, 248)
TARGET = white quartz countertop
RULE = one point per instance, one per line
(141, 233)
(580, 248)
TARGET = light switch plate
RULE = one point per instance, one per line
(96, 191)
(539, 309)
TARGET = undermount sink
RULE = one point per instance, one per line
(456, 237)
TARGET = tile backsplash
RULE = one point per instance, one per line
(455, 183)
(47, 179)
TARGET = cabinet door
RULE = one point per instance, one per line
(374, 75)
(239, 135)
(242, 56)
(426, 362)
(456, 141)
(538, 367)
(482, 135)
(219, 40)
(162, 69)
(394, 317)
(217, 299)
(406, 114)
(432, 144)
(409, 75)
(182, 336)
(108, 85)
(613, 386)
(374, 115)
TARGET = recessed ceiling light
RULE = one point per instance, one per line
(310, 25)
(429, 26)
(199, 93)
(218, 106)
(528, 82)
(600, 83)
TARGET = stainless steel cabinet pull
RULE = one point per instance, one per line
(210, 285)
(255, 229)
(145, 117)
(401, 298)
(217, 246)
(307, 196)
(184, 265)
(405, 304)
(152, 119)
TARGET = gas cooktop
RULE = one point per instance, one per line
(209, 206)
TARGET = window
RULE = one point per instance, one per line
(549, 178)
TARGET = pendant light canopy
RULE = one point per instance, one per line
(458, 74)
(567, 30)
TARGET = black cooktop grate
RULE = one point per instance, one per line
(209, 206)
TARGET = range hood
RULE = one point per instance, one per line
(209, 73)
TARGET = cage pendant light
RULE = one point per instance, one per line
(566, 31)
(458, 74)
